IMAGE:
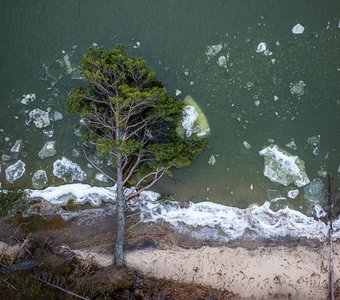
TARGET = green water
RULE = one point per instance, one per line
(238, 100)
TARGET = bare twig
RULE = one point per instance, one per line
(61, 289)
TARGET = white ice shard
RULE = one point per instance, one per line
(48, 150)
(293, 194)
(282, 167)
(314, 143)
(212, 160)
(16, 171)
(262, 48)
(17, 146)
(68, 171)
(246, 145)
(101, 177)
(39, 117)
(298, 29)
(297, 88)
(193, 120)
(39, 179)
(291, 145)
(222, 61)
(213, 50)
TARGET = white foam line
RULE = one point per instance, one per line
(204, 219)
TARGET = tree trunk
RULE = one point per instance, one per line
(120, 207)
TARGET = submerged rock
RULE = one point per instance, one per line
(17, 146)
(193, 120)
(68, 171)
(48, 150)
(315, 191)
(282, 167)
(39, 179)
(16, 171)
(39, 117)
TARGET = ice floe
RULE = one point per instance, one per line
(298, 29)
(68, 171)
(39, 179)
(39, 117)
(315, 192)
(48, 150)
(282, 167)
(15, 171)
(297, 88)
(17, 146)
(193, 120)
(26, 99)
(213, 50)
(262, 48)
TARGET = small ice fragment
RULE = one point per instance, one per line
(314, 142)
(212, 160)
(17, 146)
(271, 141)
(48, 150)
(276, 98)
(222, 61)
(26, 99)
(213, 50)
(191, 83)
(68, 171)
(178, 92)
(186, 73)
(48, 133)
(293, 194)
(319, 211)
(323, 171)
(262, 47)
(251, 187)
(246, 145)
(297, 88)
(5, 157)
(257, 102)
(39, 117)
(291, 145)
(277, 43)
(57, 116)
(273, 60)
(298, 29)
(101, 177)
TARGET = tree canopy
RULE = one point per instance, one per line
(130, 119)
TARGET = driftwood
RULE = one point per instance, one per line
(24, 265)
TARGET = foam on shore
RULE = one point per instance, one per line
(204, 219)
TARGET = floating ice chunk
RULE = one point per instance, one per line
(262, 48)
(48, 133)
(75, 152)
(291, 145)
(213, 50)
(339, 25)
(293, 194)
(276, 98)
(101, 177)
(246, 145)
(56, 116)
(297, 88)
(251, 187)
(26, 99)
(80, 193)
(212, 160)
(323, 171)
(314, 143)
(178, 92)
(257, 102)
(137, 45)
(282, 167)
(5, 157)
(315, 191)
(222, 61)
(298, 29)
(68, 171)
(39, 179)
(16, 171)
(39, 117)
(338, 168)
(319, 211)
(193, 120)
(17, 146)
(48, 150)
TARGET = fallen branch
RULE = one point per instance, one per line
(24, 265)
